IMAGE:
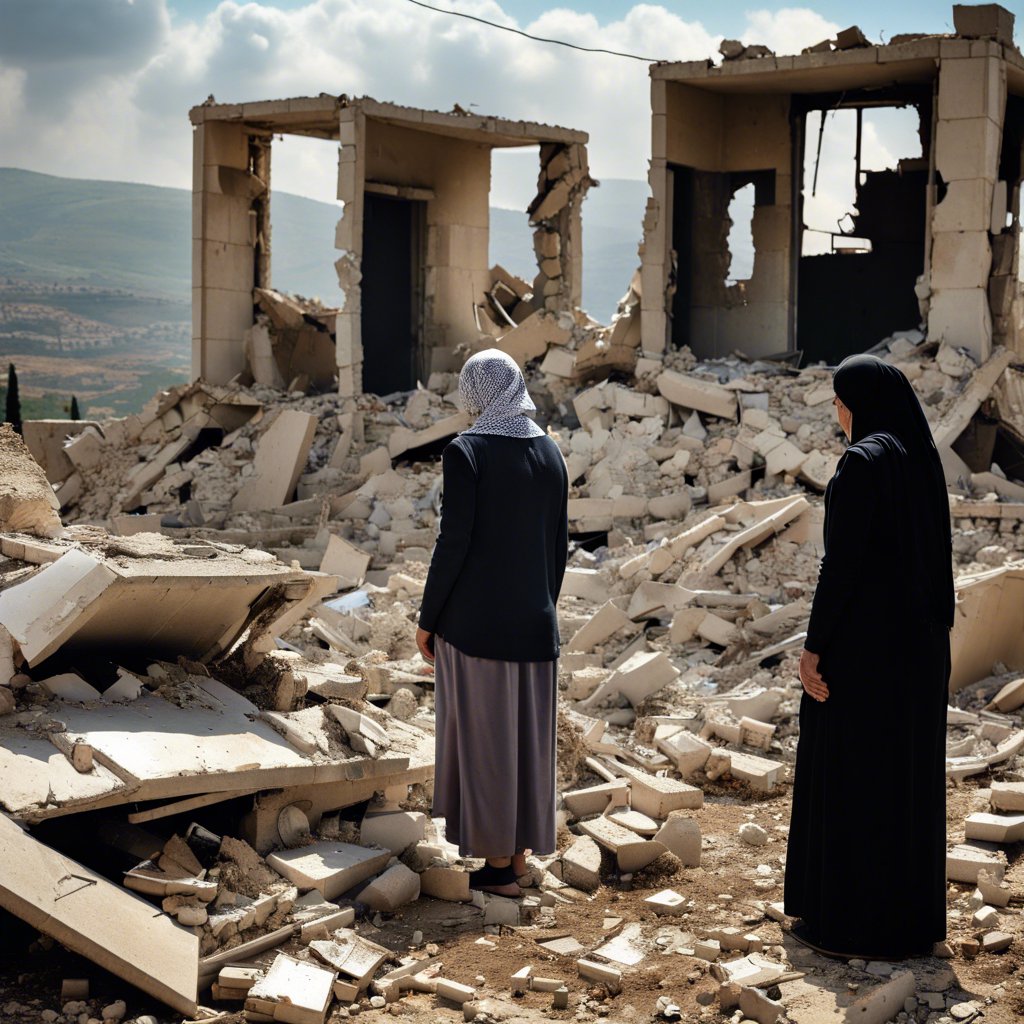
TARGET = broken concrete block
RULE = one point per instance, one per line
(689, 752)
(346, 561)
(331, 868)
(300, 989)
(996, 942)
(27, 501)
(602, 625)
(983, 21)
(759, 773)
(883, 1002)
(393, 830)
(281, 454)
(531, 339)
(755, 1005)
(698, 395)
(581, 864)
(1009, 698)
(639, 676)
(681, 836)
(666, 902)
(995, 828)
(603, 973)
(70, 687)
(707, 949)
(658, 795)
(46, 439)
(392, 889)
(446, 884)
(964, 862)
(631, 852)
(596, 799)
(1007, 796)
(364, 734)
(454, 992)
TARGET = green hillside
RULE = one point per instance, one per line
(136, 238)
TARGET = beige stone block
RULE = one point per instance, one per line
(960, 259)
(225, 144)
(226, 265)
(226, 313)
(975, 87)
(222, 359)
(967, 148)
(966, 206)
(631, 851)
(697, 393)
(331, 868)
(961, 317)
(344, 560)
(281, 454)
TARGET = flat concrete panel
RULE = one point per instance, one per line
(103, 922)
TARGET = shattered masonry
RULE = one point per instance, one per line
(207, 664)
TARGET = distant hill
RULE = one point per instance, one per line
(116, 235)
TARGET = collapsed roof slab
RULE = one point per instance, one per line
(201, 737)
(101, 921)
(321, 116)
(148, 595)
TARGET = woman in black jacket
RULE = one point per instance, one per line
(865, 870)
(488, 617)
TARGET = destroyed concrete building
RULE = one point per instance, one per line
(413, 239)
(934, 239)
(216, 731)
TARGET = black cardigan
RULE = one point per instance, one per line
(500, 556)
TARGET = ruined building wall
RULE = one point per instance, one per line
(452, 177)
(224, 236)
(720, 139)
(971, 108)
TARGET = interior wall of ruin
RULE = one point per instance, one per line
(224, 236)
(709, 132)
(458, 174)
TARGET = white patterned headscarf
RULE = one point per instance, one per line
(492, 389)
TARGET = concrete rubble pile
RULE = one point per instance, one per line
(697, 513)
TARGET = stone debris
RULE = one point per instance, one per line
(220, 628)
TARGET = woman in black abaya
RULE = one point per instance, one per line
(865, 869)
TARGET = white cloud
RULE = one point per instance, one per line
(12, 89)
(127, 113)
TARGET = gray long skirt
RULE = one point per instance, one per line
(494, 781)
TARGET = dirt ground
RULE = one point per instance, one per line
(724, 891)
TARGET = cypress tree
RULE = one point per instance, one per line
(75, 414)
(13, 412)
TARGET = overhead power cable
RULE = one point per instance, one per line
(536, 39)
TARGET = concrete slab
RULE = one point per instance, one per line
(281, 455)
(101, 921)
(168, 601)
(296, 992)
(332, 868)
(38, 777)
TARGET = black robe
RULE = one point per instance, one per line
(865, 868)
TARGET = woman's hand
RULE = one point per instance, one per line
(425, 642)
(811, 677)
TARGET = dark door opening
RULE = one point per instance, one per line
(392, 303)
(682, 245)
(856, 276)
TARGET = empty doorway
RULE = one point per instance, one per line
(392, 292)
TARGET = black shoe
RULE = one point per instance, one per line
(489, 876)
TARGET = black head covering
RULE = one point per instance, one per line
(882, 400)
(888, 416)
